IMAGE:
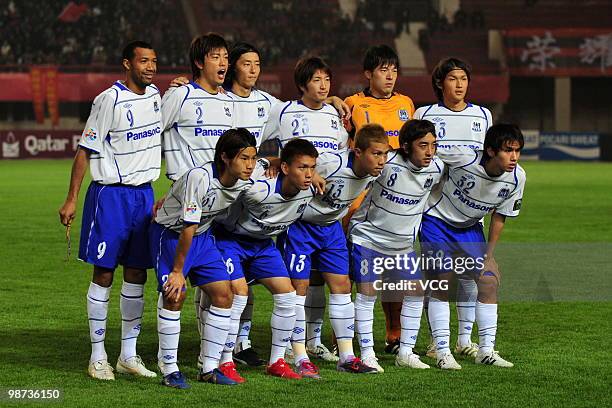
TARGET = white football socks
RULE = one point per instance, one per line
(214, 336)
(282, 323)
(467, 292)
(410, 318)
(298, 337)
(169, 331)
(237, 307)
(364, 323)
(342, 317)
(486, 317)
(132, 306)
(97, 312)
(315, 311)
(439, 320)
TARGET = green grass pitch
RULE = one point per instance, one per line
(561, 348)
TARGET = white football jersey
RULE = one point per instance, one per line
(341, 189)
(468, 193)
(123, 133)
(466, 128)
(198, 197)
(193, 121)
(389, 218)
(322, 127)
(252, 112)
(263, 212)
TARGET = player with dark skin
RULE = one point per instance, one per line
(139, 73)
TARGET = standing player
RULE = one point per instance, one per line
(245, 239)
(384, 228)
(121, 144)
(380, 103)
(312, 119)
(478, 183)
(183, 246)
(462, 124)
(319, 235)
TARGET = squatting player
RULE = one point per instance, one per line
(478, 183)
(463, 124)
(385, 227)
(183, 246)
(121, 144)
(245, 240)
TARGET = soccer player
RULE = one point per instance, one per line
(312, 119)
(478, 183)
(384, 229)
(183, 246)
(245, 239)
(196, 115)
(380, 103)
(121, 144)
(319, 235)
(463, 124)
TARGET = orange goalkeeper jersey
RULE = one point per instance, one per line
(390, 113)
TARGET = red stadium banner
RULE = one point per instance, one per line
(52, 95)
(83, 87)
(37, 96)
(38, 144)
(559, 52)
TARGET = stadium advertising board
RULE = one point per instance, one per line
(569, 146)
(43, 144)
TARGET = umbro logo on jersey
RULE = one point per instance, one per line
(301, 208)
(403, 115)
(436, 120)
(127, 105)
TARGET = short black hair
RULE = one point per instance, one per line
(305, 70)
(442, 69)
(500, 134)
(379, 55)
(297, 147)
(129, 50)
(234, 55)
(232, 142)
(202, 46)
(412, 130)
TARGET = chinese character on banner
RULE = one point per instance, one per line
(599, 47)
(540, 51)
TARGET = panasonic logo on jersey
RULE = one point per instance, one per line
(208, 132)
(399, 200)
(457, 193)
(392, 132)
(143, 134)
(325, 145)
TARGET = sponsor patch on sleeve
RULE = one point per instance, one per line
(517, 205)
